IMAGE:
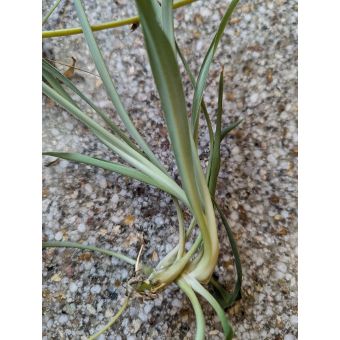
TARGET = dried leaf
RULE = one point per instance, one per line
(154, 256)
(70, 71)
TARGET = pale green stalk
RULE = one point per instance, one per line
(112, 321)
(200, 322)
(166, 73)
(181, 243)
(228, 332)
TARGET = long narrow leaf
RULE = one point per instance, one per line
(108, 83)
(53, 71)
(200, 322)
(167, 78)
(203, 106)
(228, 299)
(215, 159)
(167, 22)
(49, 13)
(99, 163)
(203, 74)
(229, 128)
(227, 329)
(118, 146)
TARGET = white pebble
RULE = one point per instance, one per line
(259, 261)
(176, 303)
(81, 227)
(235, 150)
(257, 153)
(289, 337)
(147, 308)
(102, 181)
(282, 267)
(73, 287)
(272, 159)
(58, 236)
(253, 99)
(91, 309)
(63, 318)
(69, 126)
(88, 188)
(294, 319)
(114, 199)
(205, 12)
(159, 220)
(96, 289)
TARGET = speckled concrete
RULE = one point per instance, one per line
(257, 186)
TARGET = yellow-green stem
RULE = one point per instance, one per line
(106, 25)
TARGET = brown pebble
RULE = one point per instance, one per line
(274, 199)
(128, 220)
(69, 271)
(45, 192)
(230, 96)
(234, 21)
(282, 231)
(269, 76)
(85, 257)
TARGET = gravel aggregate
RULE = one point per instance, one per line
(257, 186)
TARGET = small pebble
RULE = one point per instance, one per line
(73, 287)
(81, 228)
(91, 309)
(102, 181)
(88, 188)
(63, 319)
(96, 289)
(289, 337)
(282, 267)
(58, 236)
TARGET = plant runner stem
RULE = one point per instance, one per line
(105, 25)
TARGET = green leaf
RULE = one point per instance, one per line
(167, 22)
(66, 244)
(215, 159)
(49, 13)
(169, 85)
(119, 146)
(204, 70)
(227, 329)
(99, 163)
(200, 321)
(168, 81)
(229, 128)
(228, 299)
(203, 106)
(47, 67)
(108, 83)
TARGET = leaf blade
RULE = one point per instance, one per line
(204, 70)
(108, 83)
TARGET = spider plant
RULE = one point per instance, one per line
(191, 269)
